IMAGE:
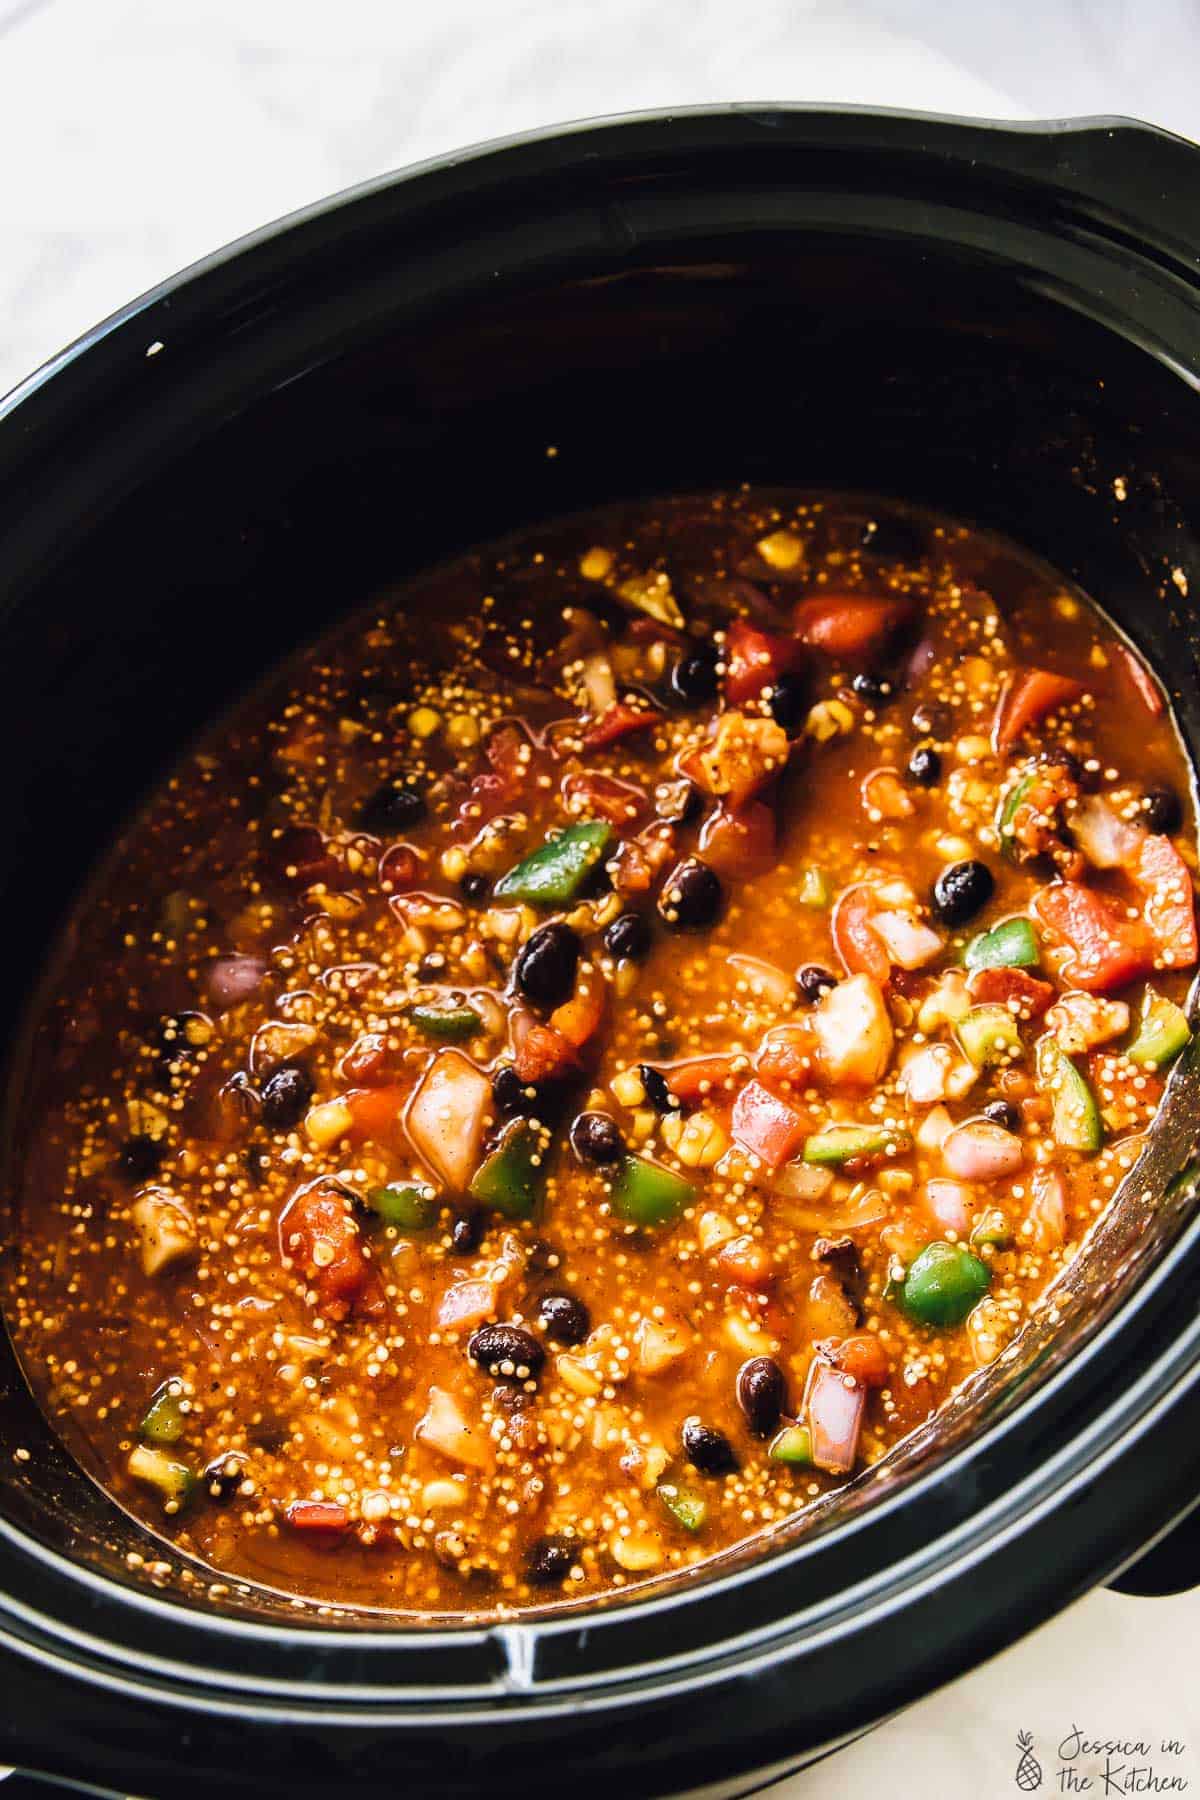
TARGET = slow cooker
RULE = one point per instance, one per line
(1001, 321)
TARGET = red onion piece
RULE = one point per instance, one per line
(981, 1151)
(921, 660)
(834, 1404)
(232, 979)
(949, 1202)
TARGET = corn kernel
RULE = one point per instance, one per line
(627, 1088)
(463, 731)
(596, 563)
(781, 549)
(325, 1124)
(454, 862)
(423, 721)
(638, 1553)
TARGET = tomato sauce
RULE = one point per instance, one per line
(596, 1051)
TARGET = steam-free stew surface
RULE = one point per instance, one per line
(599, 1050)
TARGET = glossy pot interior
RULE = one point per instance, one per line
(1001, 323)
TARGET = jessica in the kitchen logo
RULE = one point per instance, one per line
(1099, 1765)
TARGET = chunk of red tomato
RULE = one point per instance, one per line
(851, 625)
(755, 659)
(766, 1125)
(318, 1234)
(857, 943)
(1107, 948)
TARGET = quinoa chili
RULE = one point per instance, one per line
(595, 1052)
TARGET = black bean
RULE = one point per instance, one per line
(706, 1449)
(872, 690)
(140, 1157)
(1003, 1112)
(466, 1230)
(925, 766)
(507, 1350)
(550, 1560)
(894, 539)
(961, 890)
(789, 702)
(931, 719)
(840, 1256)
(564, 1317)
(692, 896)
(657, 1092)
(694, 678)
(761, 1394)
(286, 1094)
(546, 967)
(393, 808)
(474, 888)
(541, 1256)
(595, 1138)
(679, 802)
(812, 981)
(508, 1091)
(628, 938)
(224, 1476)
(1163, 810)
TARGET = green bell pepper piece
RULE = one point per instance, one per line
(512, 1177)
(842, 1143)
(175, 1481)
(1010, 945)
(409, 1207)
(164, 1420)
(1008, 812)
(685, 1505)
(554, 873)
(992, 1228)
(943, 1284)
(988, 1035)
(1075, 1117)
(1162, 1032)
(644, 1193)
(452, 1024)
(792, 1445)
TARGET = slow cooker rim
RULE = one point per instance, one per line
(231, 255)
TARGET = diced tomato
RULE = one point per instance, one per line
(864, 1357)
(785, 1056)
(1108, 948)
(1165, 880)
(540, 1053)
(1140, 679)
(741, 843)
(401, 868)
(756, 659)
(702, 1075)
(317, 1233)
(578, 1018)
(596, 796)
(367, 1060)
(996, 987)
(301, 856)
(376, 1112)
(860, 947)
(620, 720)
(497, 788)
(746, 1262)
(1027, 698)
(851, 624)
(767, 1126)
(327, 1517)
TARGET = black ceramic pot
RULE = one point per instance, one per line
(1001, 321)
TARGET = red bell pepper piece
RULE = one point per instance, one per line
(1108, 948)
(767, 1126)
(1027, 698)
(755, 659)
(620, 720)
(786, 1056)
(856, 941)
(850, 624)
(1141, 680)
(1170, 902)
(699, 1077)
(376, 1112)
(324, 1517)
(540, 1053)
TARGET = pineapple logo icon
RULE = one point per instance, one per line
(1029, 1770)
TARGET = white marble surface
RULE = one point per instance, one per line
(136, 135)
